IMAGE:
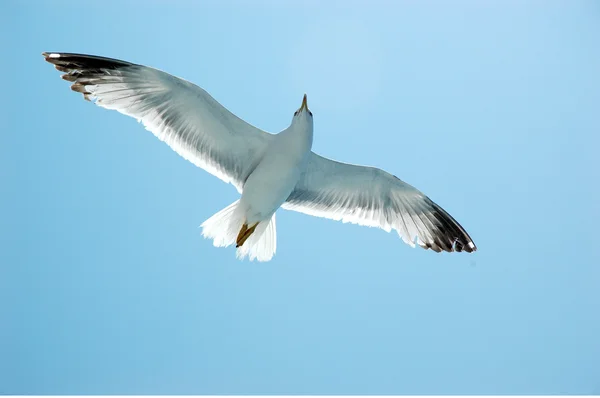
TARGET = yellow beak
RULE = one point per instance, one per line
(304, 104)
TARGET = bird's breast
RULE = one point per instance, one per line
(275, 177)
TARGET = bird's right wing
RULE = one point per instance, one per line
(178, 112)
(372, 197)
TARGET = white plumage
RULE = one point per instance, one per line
(270, 171)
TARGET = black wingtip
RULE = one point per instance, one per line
(83, 61)
(450, 236)
(79, 67)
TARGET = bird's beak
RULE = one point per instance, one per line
(304, 104)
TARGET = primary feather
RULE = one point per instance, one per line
(178, 112)
(372, 197)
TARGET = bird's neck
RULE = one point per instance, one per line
(302, 133)
(298, 136)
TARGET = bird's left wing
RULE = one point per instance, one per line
(372, 197)
(178, 112)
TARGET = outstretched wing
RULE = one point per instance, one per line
(370, 196)
(178, 112)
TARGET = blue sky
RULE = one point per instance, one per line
(490, 108)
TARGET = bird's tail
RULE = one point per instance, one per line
(223, 228)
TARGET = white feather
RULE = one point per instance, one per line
(372, 197)
(185, 117)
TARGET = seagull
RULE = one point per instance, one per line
(269, 170)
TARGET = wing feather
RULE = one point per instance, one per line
(372, 197)
(178, 112)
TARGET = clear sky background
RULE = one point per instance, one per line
(489, 107)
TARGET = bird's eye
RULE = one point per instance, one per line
(310, 113)
(296, 113)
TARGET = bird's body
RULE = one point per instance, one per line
(277, 173)
(270, 171)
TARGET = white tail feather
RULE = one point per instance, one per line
(223, 228)
(261, 245)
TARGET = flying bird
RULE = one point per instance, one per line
(269, 170)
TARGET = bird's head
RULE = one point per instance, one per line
(303, 116)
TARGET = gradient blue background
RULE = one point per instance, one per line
(490, 108)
